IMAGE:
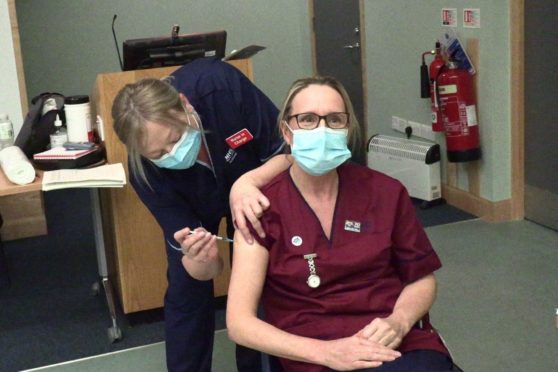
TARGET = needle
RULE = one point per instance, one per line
(218, 237)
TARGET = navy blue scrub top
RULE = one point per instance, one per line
(227, 102)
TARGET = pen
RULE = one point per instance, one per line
(223, 238)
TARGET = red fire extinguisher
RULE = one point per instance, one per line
(458, 108)
(429, 85)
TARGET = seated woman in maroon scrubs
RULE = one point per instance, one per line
(345, 270)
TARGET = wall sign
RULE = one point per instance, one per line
(449, 17)
(471, 18)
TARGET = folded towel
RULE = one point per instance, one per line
(17, 168)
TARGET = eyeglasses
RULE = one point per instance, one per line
(333, 120)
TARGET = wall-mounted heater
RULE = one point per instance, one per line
(416, 164)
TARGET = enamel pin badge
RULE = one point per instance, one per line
(353, 226)
(230, 156)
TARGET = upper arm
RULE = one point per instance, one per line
(259, 114)
(248, 275)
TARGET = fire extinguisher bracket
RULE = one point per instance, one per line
(464, 156)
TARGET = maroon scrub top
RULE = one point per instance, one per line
(376, 246)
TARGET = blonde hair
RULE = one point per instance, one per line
(147, 100)
(354, 136)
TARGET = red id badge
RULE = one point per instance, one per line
(239, 138)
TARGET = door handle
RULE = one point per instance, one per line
(352, 46)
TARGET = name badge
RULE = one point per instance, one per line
(353, 226)
(239, 138)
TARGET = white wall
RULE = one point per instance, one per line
(10, 102)
(398, 32)
(66, 43)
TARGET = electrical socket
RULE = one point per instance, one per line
(419, 130)
(416, 128)
(395, 123)
(403, 124)
(398, 124)
(427, 132)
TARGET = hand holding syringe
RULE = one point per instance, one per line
(201, 254)
(223, 238)
(199, 244)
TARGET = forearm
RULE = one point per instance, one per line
(257, 334)
(261, 176)
(203, 270)
(247, 202)
(414, 301)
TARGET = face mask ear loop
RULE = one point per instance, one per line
(288, 127)
(292, 132)
(188, 110)
(197, 121)
(192, 116)
(188, 115)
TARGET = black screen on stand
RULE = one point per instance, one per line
(172, 51)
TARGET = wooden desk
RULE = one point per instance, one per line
(18, 205)
(9, 188)
(22, 208)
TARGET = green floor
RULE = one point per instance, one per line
(497, 295)
(145, 358)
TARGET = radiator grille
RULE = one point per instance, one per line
(399, 147)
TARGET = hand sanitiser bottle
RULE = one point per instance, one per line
(60, 136)
(6, 131)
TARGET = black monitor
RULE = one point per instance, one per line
(174, 50)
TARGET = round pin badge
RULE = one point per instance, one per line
(296, 241)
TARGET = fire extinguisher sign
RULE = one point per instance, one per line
(471, 18)
(449, 17)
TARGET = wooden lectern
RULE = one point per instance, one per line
(134, 241)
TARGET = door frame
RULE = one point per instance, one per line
(517, 100)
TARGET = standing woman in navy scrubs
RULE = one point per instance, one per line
(188, 140)
(345, 271)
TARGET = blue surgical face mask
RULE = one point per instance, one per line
(318, 151)
(184, 153)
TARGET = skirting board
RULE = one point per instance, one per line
(490, 211)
